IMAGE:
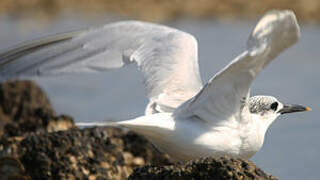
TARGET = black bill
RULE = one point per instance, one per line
(291, 108)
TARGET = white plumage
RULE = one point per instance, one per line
(183, 118)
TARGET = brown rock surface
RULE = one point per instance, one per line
(205, 168)
(24, 108)
(93, 152)
(12, 169)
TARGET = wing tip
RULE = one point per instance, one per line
(279, 17)
(277, 28)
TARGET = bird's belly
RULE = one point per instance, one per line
(192, 140)
(183, 147)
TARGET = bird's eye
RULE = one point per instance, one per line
(274, 106)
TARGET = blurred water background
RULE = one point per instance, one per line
(291, 148)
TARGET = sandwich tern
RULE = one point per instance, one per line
(184, 118)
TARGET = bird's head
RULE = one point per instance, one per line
(268, 108)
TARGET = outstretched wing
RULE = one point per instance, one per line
(225, 95)
(167, 58)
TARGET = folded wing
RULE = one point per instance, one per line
(226, 94)
(167, 58)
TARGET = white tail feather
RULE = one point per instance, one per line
(100, 124)
(142, 124)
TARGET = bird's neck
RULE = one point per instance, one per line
(253, 134)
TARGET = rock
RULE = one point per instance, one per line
(19, 99)
(11, 168)
(205, 168)
(24, 108)
(141, 147)
(81, 154)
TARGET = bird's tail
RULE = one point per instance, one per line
(100, 124)
(155, 127)
(142, 123)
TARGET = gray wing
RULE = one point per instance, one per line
(224, 97)
(167, 58)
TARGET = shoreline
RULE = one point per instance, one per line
(159, 11)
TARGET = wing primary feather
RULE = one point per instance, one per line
(167, 58)
(30, 46)
(50, 59)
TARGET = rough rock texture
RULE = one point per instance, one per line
(11, 168)
(88, 153)
(24, 108)
(107, 153)
(206, 168)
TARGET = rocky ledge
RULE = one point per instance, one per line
(35, 143)
(204, 168)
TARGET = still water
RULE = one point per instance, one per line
(291, 148)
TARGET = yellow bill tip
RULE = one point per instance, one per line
(308, 109)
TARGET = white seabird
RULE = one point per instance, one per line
(183, 118)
